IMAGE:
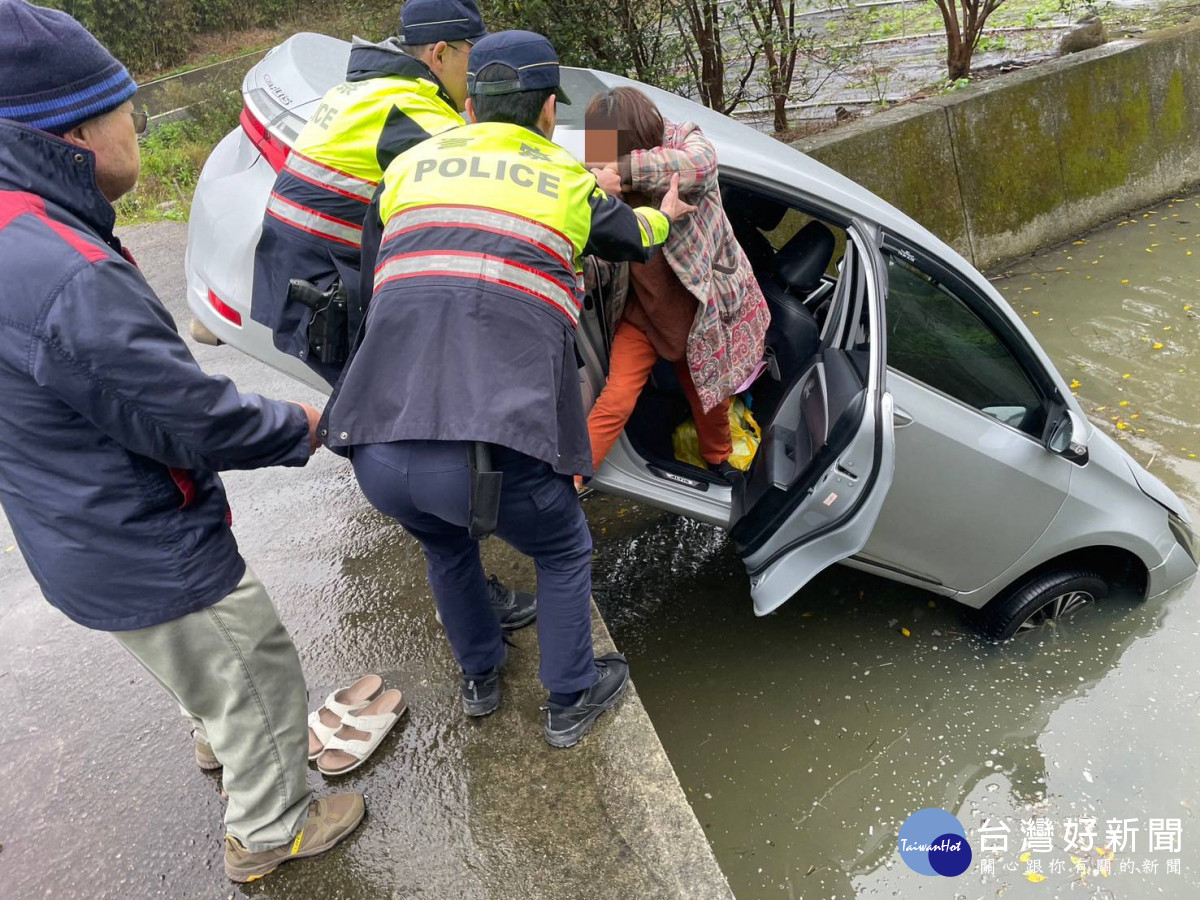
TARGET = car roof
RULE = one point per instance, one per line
(752, 156)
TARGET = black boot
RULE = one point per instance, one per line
(515, 609)
(481, 693)
(566, 725)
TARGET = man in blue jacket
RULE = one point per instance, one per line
(111, 438)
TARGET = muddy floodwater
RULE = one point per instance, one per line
(806, 738)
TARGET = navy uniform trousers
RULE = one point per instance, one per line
(425, 485)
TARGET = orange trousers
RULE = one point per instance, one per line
(633, 357)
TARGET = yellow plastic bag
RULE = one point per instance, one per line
(742, 428)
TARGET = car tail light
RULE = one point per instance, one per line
(224, 310)
(273, 150)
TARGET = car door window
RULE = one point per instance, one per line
(935, 338)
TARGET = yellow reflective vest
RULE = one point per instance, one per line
(312, 229)
(514, 196)
(470, 332)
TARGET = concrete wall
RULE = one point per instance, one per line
(1016, 163)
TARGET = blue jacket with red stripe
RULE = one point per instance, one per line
(110, 434)
(312, 229)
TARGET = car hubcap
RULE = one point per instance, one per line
(1051, 610)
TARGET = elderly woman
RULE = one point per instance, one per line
(695, 304)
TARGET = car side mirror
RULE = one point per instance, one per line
(1068, 438)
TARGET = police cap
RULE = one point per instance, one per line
(528, 54)
(430, 21)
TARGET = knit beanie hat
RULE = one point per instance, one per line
(53, 74)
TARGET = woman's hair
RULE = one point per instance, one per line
(638, 122)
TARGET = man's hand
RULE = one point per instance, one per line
(314, 418)
(609, 179)
(672, 207)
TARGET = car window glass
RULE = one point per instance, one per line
(935, 338)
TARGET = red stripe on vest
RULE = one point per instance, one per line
(499, 281)
(470, 254)
(475, 227)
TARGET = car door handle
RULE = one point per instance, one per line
(900, 417)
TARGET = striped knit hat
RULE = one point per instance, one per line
(53, 74)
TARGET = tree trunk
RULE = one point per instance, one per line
(781, 116)
(960, 61)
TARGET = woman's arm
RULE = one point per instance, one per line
(691, 156)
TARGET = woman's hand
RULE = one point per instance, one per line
(672, 206)
(609, 179)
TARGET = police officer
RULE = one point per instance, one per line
(469, 351)
(397, 93)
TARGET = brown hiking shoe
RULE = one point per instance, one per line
(205, 758)
(330, 819)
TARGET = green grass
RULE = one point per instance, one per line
(172, 157)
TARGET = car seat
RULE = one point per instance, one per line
(794, 336)
(751, 214)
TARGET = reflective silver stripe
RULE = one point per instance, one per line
(359, 188)
(313, 222)
(483, 218)
(480, 266)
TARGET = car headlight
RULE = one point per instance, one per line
(1185, 535)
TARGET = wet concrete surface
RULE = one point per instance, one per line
(806, 738)
(102, 797)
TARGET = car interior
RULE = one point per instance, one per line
(810, 396)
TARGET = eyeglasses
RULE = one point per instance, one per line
(141, 120)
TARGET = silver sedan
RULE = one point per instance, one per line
(912, 426)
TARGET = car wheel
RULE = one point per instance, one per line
(1046, 599)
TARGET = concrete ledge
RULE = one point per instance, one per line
(606, 818)
(1033, 158)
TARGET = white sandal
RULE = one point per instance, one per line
(361, 733)
(337, 706)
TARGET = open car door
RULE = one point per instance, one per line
(828, 452)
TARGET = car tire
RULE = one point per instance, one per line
(1047, 597)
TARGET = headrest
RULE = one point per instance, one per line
(751, 208)
(802, 261)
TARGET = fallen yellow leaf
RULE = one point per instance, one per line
(1074, 384)
(1124, 281)
(1035, 877)
(1123, 403)
(1127, 375)
(1025, 857)
(1121, 426)
(1036, 313)
(1157, 345)
(906, 632)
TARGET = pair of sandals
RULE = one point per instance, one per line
(346, 729)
